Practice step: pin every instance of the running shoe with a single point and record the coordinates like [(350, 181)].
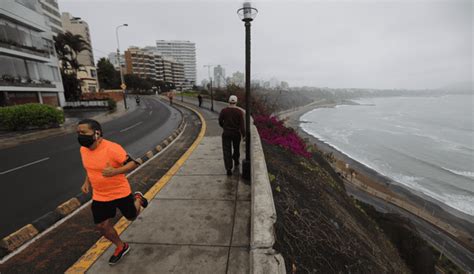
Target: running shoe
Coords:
[(119, 253)]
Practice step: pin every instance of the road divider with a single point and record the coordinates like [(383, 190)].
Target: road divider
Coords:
[(20, 239)]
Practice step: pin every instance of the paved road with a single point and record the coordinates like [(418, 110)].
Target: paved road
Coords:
[(36, 177), (430, 233)]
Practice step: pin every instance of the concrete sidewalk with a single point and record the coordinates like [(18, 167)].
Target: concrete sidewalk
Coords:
[(198, 223)]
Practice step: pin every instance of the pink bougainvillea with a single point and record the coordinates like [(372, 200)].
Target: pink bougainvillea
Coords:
[(274, 132)]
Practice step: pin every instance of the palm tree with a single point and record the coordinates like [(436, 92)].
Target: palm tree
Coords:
[(68, 46)]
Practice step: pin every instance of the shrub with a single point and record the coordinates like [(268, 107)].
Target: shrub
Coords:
[(112, 105), (274, 132), (30, 116)]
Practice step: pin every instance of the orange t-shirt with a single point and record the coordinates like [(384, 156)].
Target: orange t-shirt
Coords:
[(106, 188)]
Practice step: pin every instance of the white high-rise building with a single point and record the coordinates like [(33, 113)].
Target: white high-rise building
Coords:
[(51, 11), (219, 77), (114, 60), (29, 68), (183, 52)]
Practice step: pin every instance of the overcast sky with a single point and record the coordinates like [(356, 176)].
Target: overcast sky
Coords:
[(360, 44)]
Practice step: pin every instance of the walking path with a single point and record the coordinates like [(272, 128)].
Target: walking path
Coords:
[(199, 222)]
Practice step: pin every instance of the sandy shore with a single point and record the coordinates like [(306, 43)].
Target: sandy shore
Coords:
[(376, 180)]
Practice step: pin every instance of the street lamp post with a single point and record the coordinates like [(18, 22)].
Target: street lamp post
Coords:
[(247, 14), (210, 85), (212, 95), (122, 82)]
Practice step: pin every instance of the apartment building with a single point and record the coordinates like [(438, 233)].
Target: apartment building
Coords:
[(85, 58), (140, 63), (183, 52), (147, 63), (53, 15), (29, 70)]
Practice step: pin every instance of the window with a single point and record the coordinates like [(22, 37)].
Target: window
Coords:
[(55, 74), (53, 3), (49, 46), (20, 67), (11, 32), (33, 70), (6, 66), (45, 72), (31, 4), (20, 35), (93, 73), (3, 34), (50, 10), (24, 36)]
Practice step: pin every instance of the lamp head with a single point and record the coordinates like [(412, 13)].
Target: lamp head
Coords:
[(247, 13)]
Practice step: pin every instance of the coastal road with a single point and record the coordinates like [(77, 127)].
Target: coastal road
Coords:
[(37, 177), (454, 251)]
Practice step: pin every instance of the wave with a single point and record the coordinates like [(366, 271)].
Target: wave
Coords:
[(463, 203), (467, 174)]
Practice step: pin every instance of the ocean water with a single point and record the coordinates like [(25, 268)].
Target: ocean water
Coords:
[(424, 143)]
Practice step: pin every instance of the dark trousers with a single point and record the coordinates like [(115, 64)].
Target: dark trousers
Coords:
[(200, 103), (230, 140)]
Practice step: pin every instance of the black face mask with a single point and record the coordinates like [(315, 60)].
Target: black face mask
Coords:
[(85, 140)]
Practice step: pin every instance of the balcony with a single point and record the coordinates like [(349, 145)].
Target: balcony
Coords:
[(25, 49), (10, 81)]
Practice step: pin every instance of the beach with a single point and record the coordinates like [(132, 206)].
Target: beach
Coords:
[(377, 181)]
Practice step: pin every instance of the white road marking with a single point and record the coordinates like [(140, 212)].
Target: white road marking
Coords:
[(150, 112), (130, 127), (16, 168)]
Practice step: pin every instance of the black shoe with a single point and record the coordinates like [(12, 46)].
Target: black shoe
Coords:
[(237, 163), (139, 195), (229, 172), (119, 253)]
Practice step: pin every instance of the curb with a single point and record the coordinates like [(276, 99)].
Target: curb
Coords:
[(25, 234), (91, 256), (263, 258)]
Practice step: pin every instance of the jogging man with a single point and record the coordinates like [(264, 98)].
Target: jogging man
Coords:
[(231, 119), (106, 164)]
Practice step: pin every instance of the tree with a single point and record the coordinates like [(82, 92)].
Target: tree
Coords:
[(68, 46), (136, 83), (109, 78)]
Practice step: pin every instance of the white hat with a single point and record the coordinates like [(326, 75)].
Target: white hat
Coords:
[(233, 99)]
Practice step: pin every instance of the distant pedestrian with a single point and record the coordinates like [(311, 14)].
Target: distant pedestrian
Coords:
[(170, 97), (231, 119), (106, 164), (200, 99)]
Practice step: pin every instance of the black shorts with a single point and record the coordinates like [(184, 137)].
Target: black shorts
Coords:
[(106, 210)]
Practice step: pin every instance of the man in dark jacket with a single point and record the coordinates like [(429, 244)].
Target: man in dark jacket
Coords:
[(200, 99), (231, 119)]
